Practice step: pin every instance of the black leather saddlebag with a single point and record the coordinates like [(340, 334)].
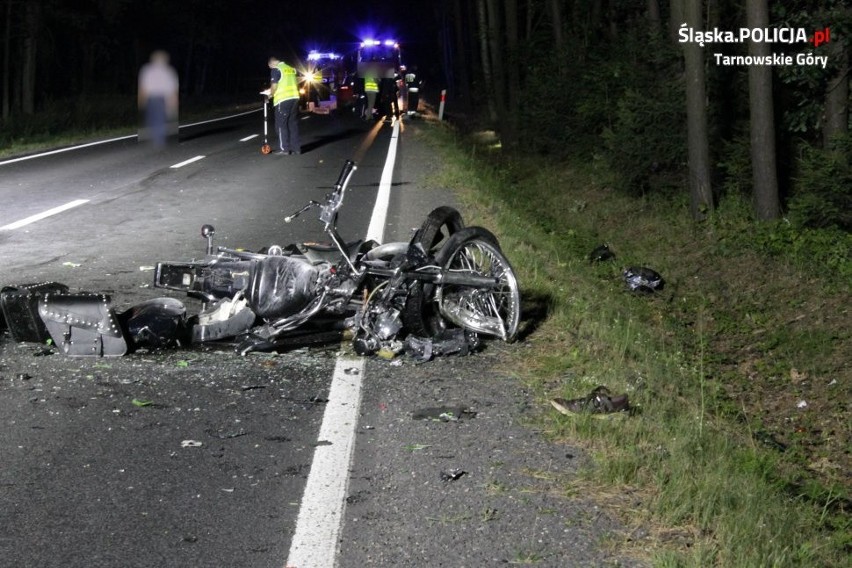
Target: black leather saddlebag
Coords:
[(20, 309), (83, 325)]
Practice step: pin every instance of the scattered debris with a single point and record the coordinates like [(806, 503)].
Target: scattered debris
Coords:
[(448, 342), (802, 404), (452, 474), (416, 447), (190, 444), (643, 280), (601, 253), (599, 403), (769, 440), (141, 403), (443, 413)]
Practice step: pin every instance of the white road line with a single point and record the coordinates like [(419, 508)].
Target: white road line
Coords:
[(315, 542), (40, 216), (189, 161), (320, 517), (59, 151), (247, 138), (376, 230)]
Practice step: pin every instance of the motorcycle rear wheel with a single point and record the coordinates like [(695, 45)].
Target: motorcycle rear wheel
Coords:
[(420, 316), (439, 225)]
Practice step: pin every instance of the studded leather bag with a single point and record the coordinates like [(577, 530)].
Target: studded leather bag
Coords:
[(83, 325), (19, 310)]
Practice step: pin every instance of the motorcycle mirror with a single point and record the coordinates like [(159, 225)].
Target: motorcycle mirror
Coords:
[(207, 232)]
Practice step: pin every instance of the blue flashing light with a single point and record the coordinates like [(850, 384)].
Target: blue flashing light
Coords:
[(315, 55)]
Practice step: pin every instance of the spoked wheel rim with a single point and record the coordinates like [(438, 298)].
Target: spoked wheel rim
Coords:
[(494, 311)]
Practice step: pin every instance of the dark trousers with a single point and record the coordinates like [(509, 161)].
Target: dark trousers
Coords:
[(287, 124)]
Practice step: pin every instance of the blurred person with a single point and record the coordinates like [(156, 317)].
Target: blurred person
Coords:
[(158, 98), (388, 98), (284, 90)]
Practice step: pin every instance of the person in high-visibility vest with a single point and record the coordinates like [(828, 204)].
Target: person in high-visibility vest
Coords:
[(371, 89), (284, 90)]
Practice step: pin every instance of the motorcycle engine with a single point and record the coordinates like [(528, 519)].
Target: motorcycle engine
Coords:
[(387, 324)]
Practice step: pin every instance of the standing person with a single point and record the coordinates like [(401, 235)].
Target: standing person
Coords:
[(158, 97), (412, 86), (284, 90), (371, 89), (388, 98)]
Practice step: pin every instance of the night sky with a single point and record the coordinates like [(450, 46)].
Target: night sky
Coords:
[(217, 46)]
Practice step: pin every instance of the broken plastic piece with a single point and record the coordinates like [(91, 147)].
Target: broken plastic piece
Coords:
[(448, 342), (642, 279), (452, 474), (443, 413)]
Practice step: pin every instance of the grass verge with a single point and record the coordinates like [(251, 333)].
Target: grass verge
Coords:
[(738, 452)]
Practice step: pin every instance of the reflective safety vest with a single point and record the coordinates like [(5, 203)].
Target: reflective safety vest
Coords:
[(370, 85), (288, 87), (412, 82)]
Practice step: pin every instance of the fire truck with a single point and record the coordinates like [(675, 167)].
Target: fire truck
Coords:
[(380, 58)]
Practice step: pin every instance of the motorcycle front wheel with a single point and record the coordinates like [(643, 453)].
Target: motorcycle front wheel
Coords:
[(495, 311)]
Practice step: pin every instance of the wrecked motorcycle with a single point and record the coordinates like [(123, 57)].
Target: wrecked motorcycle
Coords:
[(448, 283), (438, 292)]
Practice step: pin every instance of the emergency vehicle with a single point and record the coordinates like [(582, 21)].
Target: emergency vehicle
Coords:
[(323, 76), (379, 58)]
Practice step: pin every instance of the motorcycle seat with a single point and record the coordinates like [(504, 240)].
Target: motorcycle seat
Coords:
[(318, 253)]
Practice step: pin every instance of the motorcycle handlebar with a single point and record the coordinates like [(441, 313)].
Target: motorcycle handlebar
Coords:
[(333, 200), (348, 167)]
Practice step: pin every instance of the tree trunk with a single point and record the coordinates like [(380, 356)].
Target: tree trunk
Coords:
[(676, 19), (7, 70), (767, 204), (498, 60), (700, 190), (653, 7), (462, 65), (837, 95), (554, 7), (513, 74), (28, 69), (485, 57)]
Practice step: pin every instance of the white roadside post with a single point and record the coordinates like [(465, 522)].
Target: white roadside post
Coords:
[(441, 106)]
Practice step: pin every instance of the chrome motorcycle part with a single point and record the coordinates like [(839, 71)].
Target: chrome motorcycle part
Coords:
[(493, 311)]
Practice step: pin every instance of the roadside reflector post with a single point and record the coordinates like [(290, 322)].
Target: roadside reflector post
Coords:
[(441, 106)]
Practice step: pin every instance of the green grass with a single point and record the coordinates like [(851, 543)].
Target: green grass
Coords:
[(715, 364)]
